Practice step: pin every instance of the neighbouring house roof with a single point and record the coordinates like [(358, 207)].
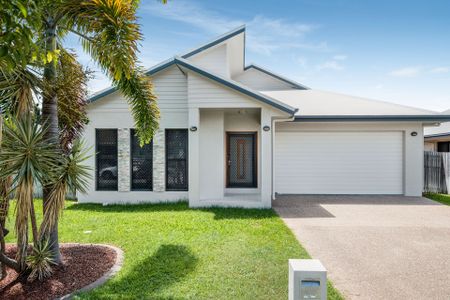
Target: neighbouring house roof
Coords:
[(442, 131), (316, 105)]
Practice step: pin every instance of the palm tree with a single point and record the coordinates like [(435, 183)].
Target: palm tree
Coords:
[(109, 33)]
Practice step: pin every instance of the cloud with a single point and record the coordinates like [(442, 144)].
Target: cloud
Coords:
[(340, 57), (264, 35), (406, 72), (330, 65), (438, 70)]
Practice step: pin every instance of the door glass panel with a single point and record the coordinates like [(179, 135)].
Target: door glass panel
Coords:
[(241, 162)]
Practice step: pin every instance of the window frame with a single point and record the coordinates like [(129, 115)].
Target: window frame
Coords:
[(132, 131), (116, 188), (167, 188)]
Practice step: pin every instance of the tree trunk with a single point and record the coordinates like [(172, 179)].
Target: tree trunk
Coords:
[(50, 118)]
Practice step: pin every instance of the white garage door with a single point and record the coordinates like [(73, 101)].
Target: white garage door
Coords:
[(339, 163)]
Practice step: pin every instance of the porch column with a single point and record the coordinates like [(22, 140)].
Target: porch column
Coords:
[(266, 159), (194, 157)]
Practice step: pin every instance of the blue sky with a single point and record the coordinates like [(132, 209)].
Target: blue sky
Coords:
[(397, 51)]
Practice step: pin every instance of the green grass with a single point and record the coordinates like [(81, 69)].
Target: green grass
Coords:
[(173, 252), (442, 198)]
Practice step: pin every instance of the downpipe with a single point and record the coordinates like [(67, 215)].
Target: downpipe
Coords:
[(274, 121)]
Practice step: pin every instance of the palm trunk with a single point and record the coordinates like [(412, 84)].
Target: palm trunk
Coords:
[(50, 118)]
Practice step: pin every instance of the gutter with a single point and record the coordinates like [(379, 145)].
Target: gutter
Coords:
[(372, 118), (274, 121)]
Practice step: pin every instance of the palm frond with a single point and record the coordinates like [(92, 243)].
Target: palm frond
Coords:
[(74, 175), (26, 154), (17, 89), (138, 90), (110, 34), (71, 90), (40, 262)]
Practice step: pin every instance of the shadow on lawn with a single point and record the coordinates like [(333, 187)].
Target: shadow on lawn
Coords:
[(149, 277), (219, 213)]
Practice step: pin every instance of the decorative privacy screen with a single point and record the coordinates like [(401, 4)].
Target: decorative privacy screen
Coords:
[(141, 164), (241, 160), (106, 156), (176, 159)]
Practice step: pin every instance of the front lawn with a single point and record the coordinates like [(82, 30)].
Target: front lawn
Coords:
[(442, 198), (173, 252)]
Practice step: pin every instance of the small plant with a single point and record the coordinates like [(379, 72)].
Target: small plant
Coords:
[(40, 262)]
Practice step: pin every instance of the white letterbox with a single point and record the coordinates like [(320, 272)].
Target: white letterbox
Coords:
[(307, 279)]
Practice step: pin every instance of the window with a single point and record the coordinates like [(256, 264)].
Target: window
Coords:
[(106, 158), (444, 147), (176, 160), (141, 165)]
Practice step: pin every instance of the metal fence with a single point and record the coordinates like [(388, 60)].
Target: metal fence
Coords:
[(437, 172)]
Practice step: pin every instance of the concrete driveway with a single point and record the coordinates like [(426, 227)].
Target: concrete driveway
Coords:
[(375, 247)]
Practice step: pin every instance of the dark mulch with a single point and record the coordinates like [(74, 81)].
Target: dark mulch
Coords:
[(83, 264)]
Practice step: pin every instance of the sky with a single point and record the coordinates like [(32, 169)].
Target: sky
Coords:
[(397, 51)]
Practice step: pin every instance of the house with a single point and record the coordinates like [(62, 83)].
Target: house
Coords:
[(438, 138), (233, 134)]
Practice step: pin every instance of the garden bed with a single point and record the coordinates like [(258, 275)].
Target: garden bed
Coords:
[(82, 266)]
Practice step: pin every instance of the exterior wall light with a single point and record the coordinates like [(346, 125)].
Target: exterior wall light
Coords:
[(193, 128), (266, 128), (414, 133)]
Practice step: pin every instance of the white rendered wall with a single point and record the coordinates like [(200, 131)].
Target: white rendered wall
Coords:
[(212, 155)]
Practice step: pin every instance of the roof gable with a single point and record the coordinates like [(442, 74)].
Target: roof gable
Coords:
[(217, 78), (215, 42)]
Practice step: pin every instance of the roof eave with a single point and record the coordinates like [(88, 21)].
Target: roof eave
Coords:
[(437, 135), (373, 118)]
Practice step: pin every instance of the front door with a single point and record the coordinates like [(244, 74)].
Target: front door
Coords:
[(241, 160)]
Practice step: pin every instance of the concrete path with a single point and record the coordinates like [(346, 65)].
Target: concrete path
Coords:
[(375, 247)]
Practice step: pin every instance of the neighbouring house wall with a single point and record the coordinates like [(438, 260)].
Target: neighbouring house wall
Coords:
[(430, 146), (413, 145), (260, 81), (112, 111)]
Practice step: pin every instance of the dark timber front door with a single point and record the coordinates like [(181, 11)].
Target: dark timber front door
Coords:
[(241, 160)]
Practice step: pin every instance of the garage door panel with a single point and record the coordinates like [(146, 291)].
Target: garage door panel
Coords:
[(339, 163)]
